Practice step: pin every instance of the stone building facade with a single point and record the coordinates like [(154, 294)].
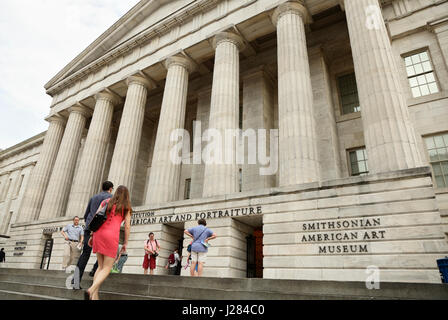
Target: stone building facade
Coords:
[(355, 92)]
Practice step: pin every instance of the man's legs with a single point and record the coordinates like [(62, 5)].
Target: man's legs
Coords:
[(66, 256), (82, 261), (95, 266), (73, 252)]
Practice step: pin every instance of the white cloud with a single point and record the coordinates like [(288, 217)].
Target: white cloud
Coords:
[(37, 39)]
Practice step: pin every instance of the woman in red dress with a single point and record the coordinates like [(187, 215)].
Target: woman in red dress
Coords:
[(105, 241)]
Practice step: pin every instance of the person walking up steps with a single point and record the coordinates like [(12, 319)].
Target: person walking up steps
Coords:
[(92, 208), (105, 241)]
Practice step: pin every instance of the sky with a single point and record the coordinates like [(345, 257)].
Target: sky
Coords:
[(38, 38)]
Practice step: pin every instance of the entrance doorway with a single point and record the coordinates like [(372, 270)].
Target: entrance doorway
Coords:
[(46, 256), (174, 239), (255, 254), (254, 245)]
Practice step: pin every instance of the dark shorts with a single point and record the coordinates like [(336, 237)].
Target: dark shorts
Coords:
[(149, 262)]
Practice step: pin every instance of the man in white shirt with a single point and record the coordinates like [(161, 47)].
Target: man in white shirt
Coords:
[(173, 262)]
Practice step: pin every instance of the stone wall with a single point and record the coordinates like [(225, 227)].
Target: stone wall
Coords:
[(332, 230)]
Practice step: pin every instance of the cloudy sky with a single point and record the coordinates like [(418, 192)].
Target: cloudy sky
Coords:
[(37, 39)]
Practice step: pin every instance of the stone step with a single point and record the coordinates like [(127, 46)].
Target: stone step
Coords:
[(134, 286), (11, 295), (47, 292)]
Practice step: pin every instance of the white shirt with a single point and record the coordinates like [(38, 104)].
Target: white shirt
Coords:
[(176, 260)]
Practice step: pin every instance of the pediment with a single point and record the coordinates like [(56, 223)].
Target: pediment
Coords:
[(141, 17)]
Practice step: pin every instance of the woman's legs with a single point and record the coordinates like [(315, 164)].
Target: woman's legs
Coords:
[(193, 268), (194, 261), (200, 269), (100, 261), (104, 267)]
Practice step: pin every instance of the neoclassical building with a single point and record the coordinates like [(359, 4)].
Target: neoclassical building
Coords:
[(353, 92)]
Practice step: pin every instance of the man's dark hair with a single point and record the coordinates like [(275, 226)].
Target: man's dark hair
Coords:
[(107, 185), (3, 249), (151, 233), (75, 217), (203, 222)]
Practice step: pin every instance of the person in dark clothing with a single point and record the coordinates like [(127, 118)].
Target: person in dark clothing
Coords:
[(91, 209), (2, 255)]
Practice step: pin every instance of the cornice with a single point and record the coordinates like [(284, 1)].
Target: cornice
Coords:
[(26, 165), (161, 28), (22, 146)]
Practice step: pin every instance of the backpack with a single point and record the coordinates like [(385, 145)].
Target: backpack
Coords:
[(171, 259)]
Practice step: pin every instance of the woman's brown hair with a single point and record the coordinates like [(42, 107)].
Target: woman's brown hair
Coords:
[(122, 200)]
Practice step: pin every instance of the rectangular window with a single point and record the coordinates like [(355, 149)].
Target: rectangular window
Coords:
[(358, 162), (192, 135), (187, 189), (421, 75), (437, 146), (240, 179), (348, 92)]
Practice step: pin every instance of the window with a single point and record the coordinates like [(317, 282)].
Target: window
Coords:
[(420, 74), (358, 162), (348, 91), (187, 189), (438, 157), (192, 132), (240, 179)]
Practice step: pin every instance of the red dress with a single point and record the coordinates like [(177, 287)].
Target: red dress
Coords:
[(107, 238)]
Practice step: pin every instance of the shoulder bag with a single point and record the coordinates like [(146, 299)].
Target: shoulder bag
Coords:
[(99, 218)]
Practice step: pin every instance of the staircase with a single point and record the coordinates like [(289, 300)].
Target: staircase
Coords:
[(20, 284)]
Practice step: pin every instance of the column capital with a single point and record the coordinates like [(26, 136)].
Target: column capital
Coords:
[(228, 37), (292, 7), (81, 109), (180, 61), (140, 80), (56, 118), (108, 96)]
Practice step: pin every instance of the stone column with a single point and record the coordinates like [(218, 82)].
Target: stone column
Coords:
[(165, 172), (124, 160), (87, 179), (40, 175), (221, 178), (58, 190), (202, 117), (258, 113), (298, 160), (389, 134), (327, 134)]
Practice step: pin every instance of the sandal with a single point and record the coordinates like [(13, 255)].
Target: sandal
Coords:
[(87, 295)]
